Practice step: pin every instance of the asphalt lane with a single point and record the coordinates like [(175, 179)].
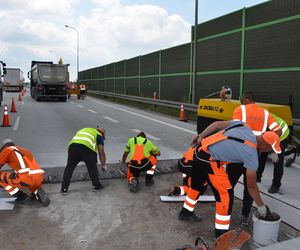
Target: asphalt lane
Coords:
[(46, 127)]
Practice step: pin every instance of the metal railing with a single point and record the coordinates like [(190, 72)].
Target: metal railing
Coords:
[(164, 103)]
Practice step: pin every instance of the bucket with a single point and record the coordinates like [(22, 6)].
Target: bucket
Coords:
[(265, 232)]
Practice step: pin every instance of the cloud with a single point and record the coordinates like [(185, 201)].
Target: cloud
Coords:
[(109, 31)]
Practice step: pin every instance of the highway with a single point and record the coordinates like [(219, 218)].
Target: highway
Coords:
[(46, 127)]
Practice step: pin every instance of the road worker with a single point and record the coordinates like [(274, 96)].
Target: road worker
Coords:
[(235, 143), (82, 90), (277, 159), (142, 157), (27, 173), (225, 93), (84, 147), (259, 120), (185, 167)]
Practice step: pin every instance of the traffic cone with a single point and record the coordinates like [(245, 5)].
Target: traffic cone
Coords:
[(181, 115), (5, 118), (13, 106), (20, 98)]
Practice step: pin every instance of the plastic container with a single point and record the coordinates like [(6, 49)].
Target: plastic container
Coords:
[(265, 232)]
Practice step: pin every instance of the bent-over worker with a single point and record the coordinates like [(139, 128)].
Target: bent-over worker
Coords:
[(84, 147), (235, 143)]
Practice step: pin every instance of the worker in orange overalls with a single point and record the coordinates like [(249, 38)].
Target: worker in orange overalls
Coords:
[(185, 167), (142, 154), (235, 143), (259, 120), (27, 173)]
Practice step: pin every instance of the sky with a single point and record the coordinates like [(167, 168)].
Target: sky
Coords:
[(109, 30)]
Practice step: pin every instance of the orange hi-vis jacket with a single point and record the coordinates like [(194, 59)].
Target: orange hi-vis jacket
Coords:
[(188, 156), (217, 137), (20, 160), (258, 118)]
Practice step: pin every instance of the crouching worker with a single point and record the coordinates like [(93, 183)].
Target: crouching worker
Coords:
[(235, 143), (142, 157), (27, 173), (185, 167)]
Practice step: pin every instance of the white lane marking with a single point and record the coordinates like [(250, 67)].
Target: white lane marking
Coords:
[(16, 126), (148, 135), (151, 119), (111, 119), (80, 106), (71, 102), (92, 111)]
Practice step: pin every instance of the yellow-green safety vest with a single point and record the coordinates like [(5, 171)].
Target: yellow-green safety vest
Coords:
[(87, 137), (284, 127)]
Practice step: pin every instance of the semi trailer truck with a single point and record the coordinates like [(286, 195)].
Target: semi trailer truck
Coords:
[(48, 80), (13, 80)]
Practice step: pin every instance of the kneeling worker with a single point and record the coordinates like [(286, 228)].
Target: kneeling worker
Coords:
[(142, 154), (84, 147), (185, 167), (27, 173)]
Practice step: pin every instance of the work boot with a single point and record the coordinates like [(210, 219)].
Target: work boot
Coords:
[(64, 191), (244, 220), (21, 199), (273, 189), (149, 182), (185, 216), (98, 188), (42, 197), (133, 185)]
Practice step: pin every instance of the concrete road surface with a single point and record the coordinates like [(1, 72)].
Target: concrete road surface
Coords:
[(111, 219)]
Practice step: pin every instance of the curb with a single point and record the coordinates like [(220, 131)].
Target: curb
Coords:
[(116, 170)]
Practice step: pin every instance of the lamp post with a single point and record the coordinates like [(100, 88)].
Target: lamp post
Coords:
[(67, 26), (195, 54), (51, 51)]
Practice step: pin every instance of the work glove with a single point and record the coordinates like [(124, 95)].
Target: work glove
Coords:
[(264, 213), (274, 157), (261, 212)]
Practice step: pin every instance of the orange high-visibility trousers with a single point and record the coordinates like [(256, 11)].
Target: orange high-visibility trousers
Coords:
[(148, 165), (204, 169), (12, 182)]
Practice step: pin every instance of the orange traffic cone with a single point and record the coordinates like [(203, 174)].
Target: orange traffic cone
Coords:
[(13, 106), (181, 115), (20, 98), (5, 118)]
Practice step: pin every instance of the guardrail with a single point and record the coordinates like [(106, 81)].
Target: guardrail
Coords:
[(169, 104)]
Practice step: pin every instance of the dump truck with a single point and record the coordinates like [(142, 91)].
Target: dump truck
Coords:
[(2, 73), (13, 80), (48, 80)]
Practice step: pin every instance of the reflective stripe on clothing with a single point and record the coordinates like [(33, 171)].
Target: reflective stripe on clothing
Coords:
[(258, 118), (20, 158), (284, 127), (152, 170), (87, 137), (222, 221)]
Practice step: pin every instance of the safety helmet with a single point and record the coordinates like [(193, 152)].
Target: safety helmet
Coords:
[(4, 142)]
